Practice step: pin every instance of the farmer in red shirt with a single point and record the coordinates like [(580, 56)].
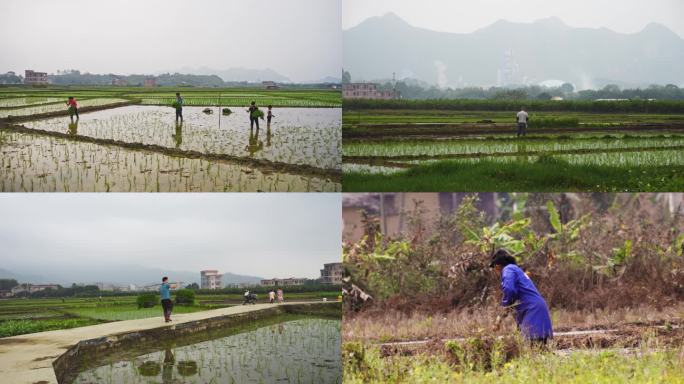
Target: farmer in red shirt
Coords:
[(73, 108)]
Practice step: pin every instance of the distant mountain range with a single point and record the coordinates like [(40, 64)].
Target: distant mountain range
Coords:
[(237, 74), (513, 53), (125, 274)]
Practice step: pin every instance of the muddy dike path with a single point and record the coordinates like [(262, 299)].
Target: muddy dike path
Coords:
[(48, 357)]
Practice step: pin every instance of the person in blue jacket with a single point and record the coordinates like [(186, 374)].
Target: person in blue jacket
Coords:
[(520, 294)]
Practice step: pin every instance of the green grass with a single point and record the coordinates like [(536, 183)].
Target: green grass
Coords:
[(548, 174), (19, 327), (578, 367)]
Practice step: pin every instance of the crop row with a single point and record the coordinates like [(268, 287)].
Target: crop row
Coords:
[(634, 106), (242, 101)]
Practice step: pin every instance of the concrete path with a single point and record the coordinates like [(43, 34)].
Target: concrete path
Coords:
[(28, 358)]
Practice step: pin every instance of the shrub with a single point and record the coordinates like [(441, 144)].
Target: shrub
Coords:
[(185, 297), (147, 300)]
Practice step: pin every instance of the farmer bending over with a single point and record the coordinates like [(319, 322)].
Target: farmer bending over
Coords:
[(520, 294), (165, 293), (73, 108), (178, 104), (521, 118)]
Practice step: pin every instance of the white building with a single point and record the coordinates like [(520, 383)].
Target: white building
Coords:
[(211, 279)]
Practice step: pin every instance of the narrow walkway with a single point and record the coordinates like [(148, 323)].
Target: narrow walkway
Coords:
[(28, 358)]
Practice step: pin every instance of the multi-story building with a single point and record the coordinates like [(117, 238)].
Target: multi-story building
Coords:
[(283, 282), (211, 279), (150, 82), (331, 273), (367, 91), (33, 77)]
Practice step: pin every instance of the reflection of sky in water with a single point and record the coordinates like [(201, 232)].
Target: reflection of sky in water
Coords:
[(310, 136), (304, 351), (36, 163)]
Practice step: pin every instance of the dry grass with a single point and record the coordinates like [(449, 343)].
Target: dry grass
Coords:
[(392, 325)]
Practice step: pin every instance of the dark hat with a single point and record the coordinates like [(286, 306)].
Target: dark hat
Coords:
[(501, 257)]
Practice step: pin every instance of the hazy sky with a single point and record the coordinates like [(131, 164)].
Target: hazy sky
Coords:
[(268, 235), (300, 39), (464, 16)]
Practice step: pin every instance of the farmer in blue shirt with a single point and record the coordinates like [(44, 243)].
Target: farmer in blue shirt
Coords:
[(519, 293), (165, 293)]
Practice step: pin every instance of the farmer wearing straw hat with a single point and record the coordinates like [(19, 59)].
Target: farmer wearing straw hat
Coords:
[(521, 296)]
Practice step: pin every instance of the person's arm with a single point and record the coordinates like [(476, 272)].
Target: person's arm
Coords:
[(509, 287)]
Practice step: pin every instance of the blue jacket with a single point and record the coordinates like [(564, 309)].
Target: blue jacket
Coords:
[(531, 313)]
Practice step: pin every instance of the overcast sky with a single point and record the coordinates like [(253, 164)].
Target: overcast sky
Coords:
[(268, 235), (300, 39), (465, 16)]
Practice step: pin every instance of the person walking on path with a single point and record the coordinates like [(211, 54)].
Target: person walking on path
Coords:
[(165, 293), (73, 108), (520, 295), (521, 118), (271, 297), (178, 104), (280, 296)]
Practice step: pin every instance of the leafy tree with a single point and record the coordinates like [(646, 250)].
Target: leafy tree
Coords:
[(147, 300), (6, 284), (185, 297)]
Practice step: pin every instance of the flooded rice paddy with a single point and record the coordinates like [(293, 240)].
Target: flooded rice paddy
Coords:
[(300, 136), (39, 163), (303, 350)]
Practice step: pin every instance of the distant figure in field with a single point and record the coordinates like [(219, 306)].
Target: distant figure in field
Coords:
[(521, 118), (271, 297), (269, 115), (73, 108), (280, 296), (165, 293), (178, 104), (253, 111)]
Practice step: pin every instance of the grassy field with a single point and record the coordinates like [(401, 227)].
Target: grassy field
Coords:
[(419, 147), (20, 316), (576, 367)]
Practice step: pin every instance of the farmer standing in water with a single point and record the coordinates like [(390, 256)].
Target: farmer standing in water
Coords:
[(165, 293), (253, 111), (520, 294), (178, 104), (73, 108), (521, 118)]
